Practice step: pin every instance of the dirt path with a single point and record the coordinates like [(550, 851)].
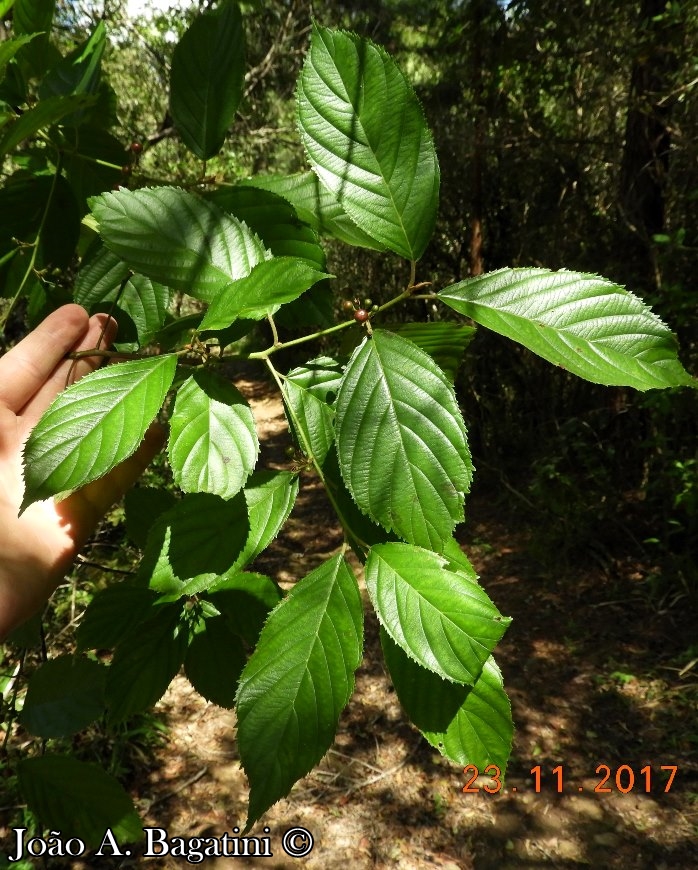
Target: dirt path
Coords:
[(580, 663)]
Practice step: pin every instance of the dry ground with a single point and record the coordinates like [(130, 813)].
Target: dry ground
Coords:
[(581, 664)]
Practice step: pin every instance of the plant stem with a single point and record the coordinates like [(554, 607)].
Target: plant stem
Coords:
[(316, 464), (274, 333), (117, 354), (34, 246), (264, 355), (105, 354), (406, 293)]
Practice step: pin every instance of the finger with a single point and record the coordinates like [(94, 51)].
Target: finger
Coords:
[(83, 509), (25, 368), (57, 379)]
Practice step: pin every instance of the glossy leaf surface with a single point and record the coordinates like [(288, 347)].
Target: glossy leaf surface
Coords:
[(273, 218), (445, 342), (93, 425), (177, 239), (366, 137), (268, 286), (138, 304), (297, 682), (309, 392), (467, 724), (213, 442), (204, 539), (585, 324), (317, 206), (440, 617), (401, 440)]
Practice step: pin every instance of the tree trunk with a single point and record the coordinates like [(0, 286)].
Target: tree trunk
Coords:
[(476, 259), (645, 161)]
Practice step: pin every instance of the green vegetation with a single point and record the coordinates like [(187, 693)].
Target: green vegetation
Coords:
[(438, 174)]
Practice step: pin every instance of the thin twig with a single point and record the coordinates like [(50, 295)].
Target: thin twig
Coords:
[(88, 564), (180, 787), (386, 773)]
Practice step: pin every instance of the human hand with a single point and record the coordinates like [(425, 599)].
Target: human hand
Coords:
[(37, 548)]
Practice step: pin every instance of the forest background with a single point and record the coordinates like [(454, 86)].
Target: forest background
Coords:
[(567, 134)]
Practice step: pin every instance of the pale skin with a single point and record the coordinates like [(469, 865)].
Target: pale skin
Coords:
[(38, 547)]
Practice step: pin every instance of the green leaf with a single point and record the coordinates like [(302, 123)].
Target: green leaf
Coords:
[(297, 682), (457, 560), (208, 73), (244, 601), (401, 440), (87, 152), (146, 661), (139, 305), (35, 17), (79, 799), (104, 112), (27, 635), (316, 206), (79, 72), (114, 613), (178, 331), (270, 496), (10, 47), (268, 286), (142, 506), (94, 425), (307, 390), (194, 543), (61, 228), (204, 540), (314, 308), (214, 661), (64, 696), (23, 203), (361, 532), (440, 617), (309, 393), (14, 90), (39, 117), (273, 219), (213, 444), (467, 724), (366, 137), (583, 323), (445, 342), (177, 239), (320, 377), (276, 223)]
